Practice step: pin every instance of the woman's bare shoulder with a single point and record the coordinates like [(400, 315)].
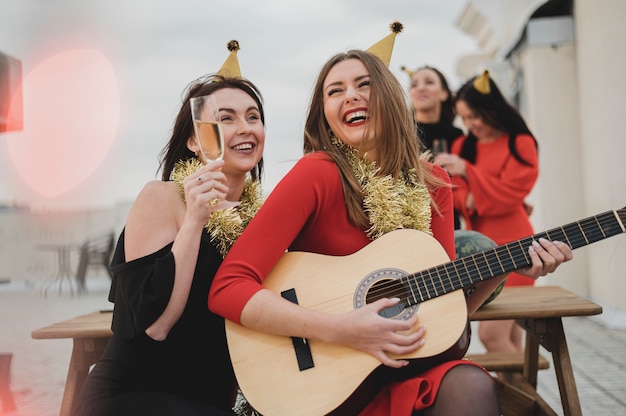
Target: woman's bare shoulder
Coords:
[(154, 218)]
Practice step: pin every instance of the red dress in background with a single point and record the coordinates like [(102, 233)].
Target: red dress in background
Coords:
[(499, 184)]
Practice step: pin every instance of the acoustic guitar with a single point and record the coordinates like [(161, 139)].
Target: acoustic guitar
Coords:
[(291, 376)]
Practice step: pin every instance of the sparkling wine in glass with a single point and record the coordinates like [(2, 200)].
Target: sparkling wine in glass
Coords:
[(208, 129), (439, 146)]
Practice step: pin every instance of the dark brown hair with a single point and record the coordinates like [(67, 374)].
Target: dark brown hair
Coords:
[(494, 110), (176, 148)]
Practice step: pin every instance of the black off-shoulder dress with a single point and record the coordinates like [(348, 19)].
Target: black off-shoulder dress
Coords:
[(189, 373)]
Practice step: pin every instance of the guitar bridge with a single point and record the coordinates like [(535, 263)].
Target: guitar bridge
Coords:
[(300, 345)]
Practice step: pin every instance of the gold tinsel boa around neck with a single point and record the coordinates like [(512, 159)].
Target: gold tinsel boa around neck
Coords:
[(390, 204), (225, 225)]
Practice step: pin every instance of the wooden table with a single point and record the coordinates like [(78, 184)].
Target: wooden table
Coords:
[(90, 333), (539, 310)]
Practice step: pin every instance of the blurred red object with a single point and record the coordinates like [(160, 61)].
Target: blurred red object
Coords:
[(11, 96)]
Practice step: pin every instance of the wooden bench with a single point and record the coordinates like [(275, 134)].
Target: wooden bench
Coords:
[(513, 399), (538, 309), (505, 361)]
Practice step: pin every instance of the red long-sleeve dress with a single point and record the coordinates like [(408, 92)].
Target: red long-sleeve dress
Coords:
[(306, 212), (499, 184)]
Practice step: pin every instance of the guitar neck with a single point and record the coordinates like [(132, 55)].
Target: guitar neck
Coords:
[(469, 270)]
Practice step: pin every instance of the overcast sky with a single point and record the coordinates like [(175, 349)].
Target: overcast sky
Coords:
[(128, 62)]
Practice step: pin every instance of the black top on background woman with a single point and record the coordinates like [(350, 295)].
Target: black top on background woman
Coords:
[(433, 106), (433, 109)]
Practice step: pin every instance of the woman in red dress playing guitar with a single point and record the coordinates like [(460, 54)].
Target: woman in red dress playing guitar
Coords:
[(361, 178)]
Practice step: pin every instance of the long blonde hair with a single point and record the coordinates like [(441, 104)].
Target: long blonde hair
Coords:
[(390, 116)]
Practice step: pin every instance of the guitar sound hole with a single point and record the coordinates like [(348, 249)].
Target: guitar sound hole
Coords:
[(381, 289)]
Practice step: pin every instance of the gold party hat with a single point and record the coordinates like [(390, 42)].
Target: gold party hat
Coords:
[(230, 68), (384, 47), (481, 83), (407, 70)]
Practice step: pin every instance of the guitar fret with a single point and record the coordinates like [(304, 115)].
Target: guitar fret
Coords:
[(477, 268), (410, 286), (419, 287), (508, 250), (575, 237), (422, 286), (525, 256), (620, 217), (440, 269), (499, 259), (557, 234), (465, 270), (599, 227), (427, 282), (415, 287), (456, 271), (488, 267), (566, 237), (438, 278), (445, 282), (597, 231), (504, 259), (582, 232), (451, 282), (448, 273)]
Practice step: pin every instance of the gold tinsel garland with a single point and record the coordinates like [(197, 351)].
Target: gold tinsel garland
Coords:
[(225, 225), (390, 204)]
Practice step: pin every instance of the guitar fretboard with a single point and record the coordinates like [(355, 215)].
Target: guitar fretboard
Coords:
[(469, 270)]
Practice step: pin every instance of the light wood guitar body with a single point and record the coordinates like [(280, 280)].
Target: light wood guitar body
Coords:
[(267, 368)]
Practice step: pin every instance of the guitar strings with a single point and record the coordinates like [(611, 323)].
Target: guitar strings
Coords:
[(468, 270)]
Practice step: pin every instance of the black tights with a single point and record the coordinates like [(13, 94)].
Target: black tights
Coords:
[(465, 390)]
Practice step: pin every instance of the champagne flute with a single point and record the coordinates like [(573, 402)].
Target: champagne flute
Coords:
[(205, 114), (439, 146)]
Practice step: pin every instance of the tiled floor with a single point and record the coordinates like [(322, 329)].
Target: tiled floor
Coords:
[(40, 366), (599, 360)]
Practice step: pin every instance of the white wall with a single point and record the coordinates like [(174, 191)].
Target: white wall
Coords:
[(552, 114), (573, 97), (601, 67)]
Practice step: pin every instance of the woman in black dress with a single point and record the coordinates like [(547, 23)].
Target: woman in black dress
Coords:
[(168, 353)]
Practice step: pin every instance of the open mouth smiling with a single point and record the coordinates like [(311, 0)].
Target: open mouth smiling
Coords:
[(358, 116), (243, 146)]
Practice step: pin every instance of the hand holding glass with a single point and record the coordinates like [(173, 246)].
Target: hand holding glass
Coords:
[(205, 115)]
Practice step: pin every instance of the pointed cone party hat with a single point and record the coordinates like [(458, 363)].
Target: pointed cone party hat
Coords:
[(230, 68), (407, 70), (384, 47), (481, 83)]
